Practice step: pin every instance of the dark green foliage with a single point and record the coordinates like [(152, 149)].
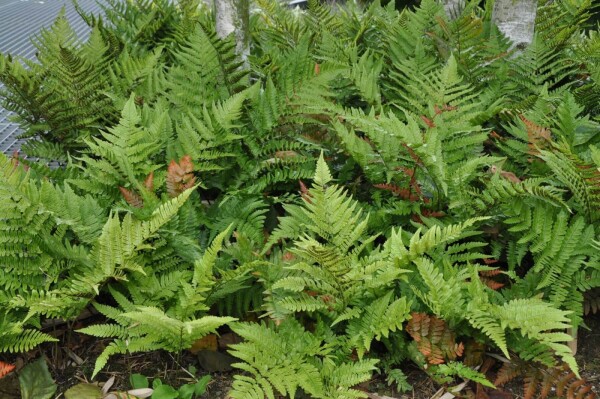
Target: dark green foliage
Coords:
[(367, 170)]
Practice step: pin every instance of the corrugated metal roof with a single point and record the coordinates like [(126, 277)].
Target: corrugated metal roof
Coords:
[(19, 21)]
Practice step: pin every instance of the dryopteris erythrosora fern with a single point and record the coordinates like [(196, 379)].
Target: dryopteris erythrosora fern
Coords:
[(430, 123)]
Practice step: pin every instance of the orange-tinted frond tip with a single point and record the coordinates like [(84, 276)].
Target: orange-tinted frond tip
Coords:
[(5, 368)]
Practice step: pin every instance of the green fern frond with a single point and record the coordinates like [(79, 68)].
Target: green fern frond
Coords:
[(377, 320), (537, 320), (296, 366), (578, 176), (122, 156), (23, 341), (455, 369), (105, 331)]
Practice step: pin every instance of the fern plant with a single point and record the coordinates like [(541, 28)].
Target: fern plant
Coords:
[(540, 381), (78, 247), (287, 358), (60, 99), (141, 327), (333, 281), (465, 204), (337, 276)]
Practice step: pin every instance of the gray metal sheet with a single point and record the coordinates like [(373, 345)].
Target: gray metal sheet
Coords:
[(19, 21)]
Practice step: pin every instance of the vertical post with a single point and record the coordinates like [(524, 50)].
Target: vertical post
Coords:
[(516, 19), (453, 8), (232, 17)]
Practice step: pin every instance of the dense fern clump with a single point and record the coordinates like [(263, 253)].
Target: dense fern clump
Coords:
[(375, 186)]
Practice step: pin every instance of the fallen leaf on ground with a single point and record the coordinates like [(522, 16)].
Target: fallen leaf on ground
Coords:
[(141, 393), (228, 339), (376, 396), (108, 384), (449, 393), (208, 343), (84, 391)]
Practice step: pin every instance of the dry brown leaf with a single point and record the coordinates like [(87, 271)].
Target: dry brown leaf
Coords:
[(208, 343), (108, 384), (227, 339), (449, 393), (286, 154), (79, 361), (377, 396), (141, 393), (507, 175)]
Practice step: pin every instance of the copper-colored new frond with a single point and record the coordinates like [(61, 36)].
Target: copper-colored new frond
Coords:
[(542, 383), (304, 192), (180, 176), (132, 198), (149, 182), (434, 338), (486, 277), (537, 135), (403, 193), (5, 368)]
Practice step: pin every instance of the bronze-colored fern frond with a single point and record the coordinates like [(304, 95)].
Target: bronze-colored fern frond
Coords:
[(180, 176), (5, 368), (434, 338), (541, 382)]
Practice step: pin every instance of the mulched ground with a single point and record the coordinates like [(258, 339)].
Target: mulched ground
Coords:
[(72, 359), (588, 352)]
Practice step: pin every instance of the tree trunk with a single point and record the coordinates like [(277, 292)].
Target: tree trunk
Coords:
[(232, 17), (516, 19), (453, 8)]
